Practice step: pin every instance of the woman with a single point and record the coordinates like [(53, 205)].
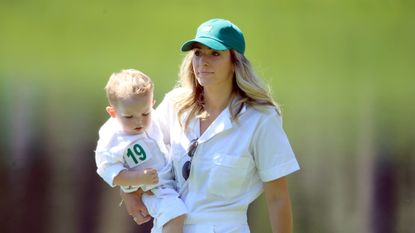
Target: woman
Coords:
[(226, 138)]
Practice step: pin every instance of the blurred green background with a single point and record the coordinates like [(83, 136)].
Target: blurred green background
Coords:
[(343, 72)]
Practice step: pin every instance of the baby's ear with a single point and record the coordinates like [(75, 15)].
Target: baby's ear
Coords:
[(111, 111), (154, 102)]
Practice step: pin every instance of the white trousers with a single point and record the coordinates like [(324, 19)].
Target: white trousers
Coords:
[(216, 228)]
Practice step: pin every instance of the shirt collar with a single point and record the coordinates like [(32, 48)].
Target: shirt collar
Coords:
[(222, 123)]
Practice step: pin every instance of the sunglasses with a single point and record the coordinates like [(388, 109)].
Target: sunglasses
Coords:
[(188, 164)]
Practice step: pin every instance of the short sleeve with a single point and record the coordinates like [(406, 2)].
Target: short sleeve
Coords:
[(273, 155), (108, 166)]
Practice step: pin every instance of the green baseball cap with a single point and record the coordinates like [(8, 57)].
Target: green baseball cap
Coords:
[(218, 34)]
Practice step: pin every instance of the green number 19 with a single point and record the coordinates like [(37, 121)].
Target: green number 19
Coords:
[(138, 151)]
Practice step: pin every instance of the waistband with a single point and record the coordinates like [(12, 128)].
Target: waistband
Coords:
[(209, 218)]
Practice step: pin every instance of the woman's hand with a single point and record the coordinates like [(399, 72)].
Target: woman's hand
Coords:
[(135, 206)]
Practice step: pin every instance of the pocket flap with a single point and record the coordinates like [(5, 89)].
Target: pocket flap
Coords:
[(231, 161)]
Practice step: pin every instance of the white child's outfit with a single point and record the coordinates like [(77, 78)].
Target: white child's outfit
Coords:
[(117, 151)]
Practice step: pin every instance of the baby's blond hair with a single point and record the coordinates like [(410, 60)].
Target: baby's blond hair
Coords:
[(127, 83)]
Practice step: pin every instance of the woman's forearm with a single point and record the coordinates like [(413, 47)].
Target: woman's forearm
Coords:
[(280, 216), (135, 207), (279, 206)]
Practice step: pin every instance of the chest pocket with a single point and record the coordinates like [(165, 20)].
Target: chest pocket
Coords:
[(228, 174), (137, 153)]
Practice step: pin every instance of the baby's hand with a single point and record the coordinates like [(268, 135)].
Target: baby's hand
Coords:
[(149, 176)]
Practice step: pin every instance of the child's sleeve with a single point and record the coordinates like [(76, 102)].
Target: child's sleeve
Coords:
[(108, 166)]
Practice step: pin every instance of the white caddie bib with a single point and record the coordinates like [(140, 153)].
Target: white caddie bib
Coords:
[(137, 153)]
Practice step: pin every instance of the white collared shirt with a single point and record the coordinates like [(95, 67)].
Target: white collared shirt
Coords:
[(231, 162)]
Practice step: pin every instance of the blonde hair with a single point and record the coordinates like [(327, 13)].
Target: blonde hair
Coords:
[(126, 83), (248, 89)]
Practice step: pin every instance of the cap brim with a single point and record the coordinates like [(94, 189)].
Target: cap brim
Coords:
[(211, 43)]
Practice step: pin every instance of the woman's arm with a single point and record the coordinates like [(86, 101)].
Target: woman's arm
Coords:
[(135, 206), (279, 205)]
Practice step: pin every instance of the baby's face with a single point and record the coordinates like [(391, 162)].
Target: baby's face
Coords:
[(134, 113)]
